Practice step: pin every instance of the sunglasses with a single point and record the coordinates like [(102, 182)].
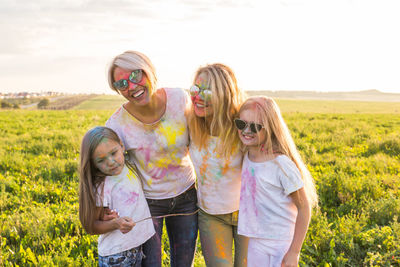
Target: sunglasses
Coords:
[(205, 94), (242, 125), (123, 84)]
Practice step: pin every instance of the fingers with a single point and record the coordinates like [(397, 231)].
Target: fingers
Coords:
[(109, 214), (126, 224), (107, 217)]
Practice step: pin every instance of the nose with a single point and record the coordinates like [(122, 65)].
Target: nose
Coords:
[(132, 85), (110, 161), (247, 129)]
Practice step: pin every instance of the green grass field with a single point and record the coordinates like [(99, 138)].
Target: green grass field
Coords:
[(112, 102), (354, 158), (102, 102)]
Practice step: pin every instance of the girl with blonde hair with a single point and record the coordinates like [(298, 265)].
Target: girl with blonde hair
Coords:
[(277, 191), (108, 180), (215, 153)]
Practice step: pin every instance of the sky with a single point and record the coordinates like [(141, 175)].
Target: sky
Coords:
[(307, 45)]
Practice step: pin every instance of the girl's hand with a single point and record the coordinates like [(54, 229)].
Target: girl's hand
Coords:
[(125, 224), (108, 214), (291, 259)]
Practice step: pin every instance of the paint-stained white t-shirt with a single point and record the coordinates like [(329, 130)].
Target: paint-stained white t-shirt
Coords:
[(124, 193), (160, 151), (266, 209), (218, 178)]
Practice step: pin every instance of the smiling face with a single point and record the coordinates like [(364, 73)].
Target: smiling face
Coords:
[(108, 157), (247, 137), (202, 108), (136, 93)]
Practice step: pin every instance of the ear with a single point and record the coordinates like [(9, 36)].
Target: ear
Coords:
[(122, 145)]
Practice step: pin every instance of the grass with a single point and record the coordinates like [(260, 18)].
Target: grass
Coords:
[(102, 102), (112, 102), (354, 158)]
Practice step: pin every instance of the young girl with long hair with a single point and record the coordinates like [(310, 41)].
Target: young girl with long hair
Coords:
[(108, 180), (215, 153), (277, 190)]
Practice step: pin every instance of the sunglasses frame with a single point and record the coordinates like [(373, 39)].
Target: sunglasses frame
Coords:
[(254, 127), (196, 90), (123, 84)]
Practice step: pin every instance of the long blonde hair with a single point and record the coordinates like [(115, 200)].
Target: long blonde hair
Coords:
[(90, 178), (278, 138), (226, 99)]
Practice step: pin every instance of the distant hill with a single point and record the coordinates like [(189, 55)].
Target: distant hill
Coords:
[(367, 95)]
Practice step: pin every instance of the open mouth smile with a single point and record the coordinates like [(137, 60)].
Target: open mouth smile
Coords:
[(138, 93)]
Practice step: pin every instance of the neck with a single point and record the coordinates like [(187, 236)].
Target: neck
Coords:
[(258, 155), (150, 112)]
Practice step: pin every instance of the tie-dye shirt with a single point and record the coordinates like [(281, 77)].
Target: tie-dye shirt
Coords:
[(124, 193), (218, 178), (161, 150), (266, 209)]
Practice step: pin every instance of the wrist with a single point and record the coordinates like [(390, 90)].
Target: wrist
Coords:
[(115, 224)]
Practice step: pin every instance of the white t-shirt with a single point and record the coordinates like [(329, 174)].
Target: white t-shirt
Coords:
[(161, 151), (266, 209), (218, 178), (124, 193)]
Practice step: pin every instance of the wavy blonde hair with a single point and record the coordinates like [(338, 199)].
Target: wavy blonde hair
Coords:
[(278, 138), (133, 60), (226, 99)]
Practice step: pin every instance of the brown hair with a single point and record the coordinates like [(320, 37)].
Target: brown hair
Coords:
[(90, 178)]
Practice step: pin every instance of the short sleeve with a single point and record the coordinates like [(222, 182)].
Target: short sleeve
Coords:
[(102, 200), (289, 175)]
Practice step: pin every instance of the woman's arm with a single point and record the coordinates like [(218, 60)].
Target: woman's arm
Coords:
[(302, 221), (124, 224)]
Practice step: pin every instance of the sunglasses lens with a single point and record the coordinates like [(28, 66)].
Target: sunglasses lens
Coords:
[(121, 85), (255, 128), (194, 90), (240, 124), (136, 76)]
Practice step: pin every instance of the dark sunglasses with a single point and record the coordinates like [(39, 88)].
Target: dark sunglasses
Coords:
[(242, 125), (123, 84)]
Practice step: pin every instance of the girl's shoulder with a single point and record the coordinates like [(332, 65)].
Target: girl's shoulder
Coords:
[(288, 174), (287, 166)]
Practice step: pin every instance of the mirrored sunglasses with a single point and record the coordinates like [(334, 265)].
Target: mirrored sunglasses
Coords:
[(242, 125), (135, 77), (205, 94)]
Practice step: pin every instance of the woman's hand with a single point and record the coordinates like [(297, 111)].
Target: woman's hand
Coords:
[(125, 224), (291, 259)]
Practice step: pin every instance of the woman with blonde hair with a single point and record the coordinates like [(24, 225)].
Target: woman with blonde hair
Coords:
[(215, 153), (152, 126), (277, 191)]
